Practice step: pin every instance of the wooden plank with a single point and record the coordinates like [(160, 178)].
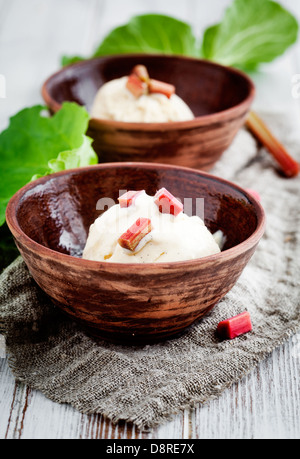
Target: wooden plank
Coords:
[(265, 404), (8, 397), (4, 7)]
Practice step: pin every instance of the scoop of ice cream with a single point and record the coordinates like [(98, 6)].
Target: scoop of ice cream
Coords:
[(115, 102), (173, 238)]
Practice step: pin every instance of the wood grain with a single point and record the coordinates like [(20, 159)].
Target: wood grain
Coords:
[(265, 404)]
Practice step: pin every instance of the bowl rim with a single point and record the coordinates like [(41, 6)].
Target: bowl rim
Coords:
[(20, 235), (202, 120)]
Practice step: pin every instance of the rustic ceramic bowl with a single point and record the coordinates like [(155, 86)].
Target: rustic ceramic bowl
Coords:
[(130, 303), (219, 97)]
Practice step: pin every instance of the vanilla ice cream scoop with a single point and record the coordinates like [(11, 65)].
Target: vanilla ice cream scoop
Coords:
[(114, 101), (143, 229)]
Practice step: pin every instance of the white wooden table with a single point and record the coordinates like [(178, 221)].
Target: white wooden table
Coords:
[(33, 36)]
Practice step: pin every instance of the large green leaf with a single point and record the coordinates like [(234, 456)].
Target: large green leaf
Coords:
[(252, 32), (33, 142)]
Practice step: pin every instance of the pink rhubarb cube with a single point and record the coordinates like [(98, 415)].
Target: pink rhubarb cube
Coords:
[(128, 198), (167, 203), (236, 326), (133, 236)]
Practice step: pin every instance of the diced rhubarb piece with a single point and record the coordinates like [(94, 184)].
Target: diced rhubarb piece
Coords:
[(141, 72), (133, 236), (160, 87), (167, 203), (128, 198), (137, 87), (236, 326), (289, 165), (254, 193)]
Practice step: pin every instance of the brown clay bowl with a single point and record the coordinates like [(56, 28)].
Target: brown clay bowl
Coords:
[(220, 98), (130, 303)]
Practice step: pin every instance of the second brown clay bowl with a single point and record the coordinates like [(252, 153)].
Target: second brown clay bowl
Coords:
[(130, 303), (220, 98)]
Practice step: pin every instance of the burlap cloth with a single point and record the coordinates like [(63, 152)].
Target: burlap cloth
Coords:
[(148, 385)]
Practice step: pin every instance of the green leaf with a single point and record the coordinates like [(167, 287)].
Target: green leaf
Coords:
[(150, 34), (31, 145), (252, 32), (66, 60), (208, 40), (72, 159)]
